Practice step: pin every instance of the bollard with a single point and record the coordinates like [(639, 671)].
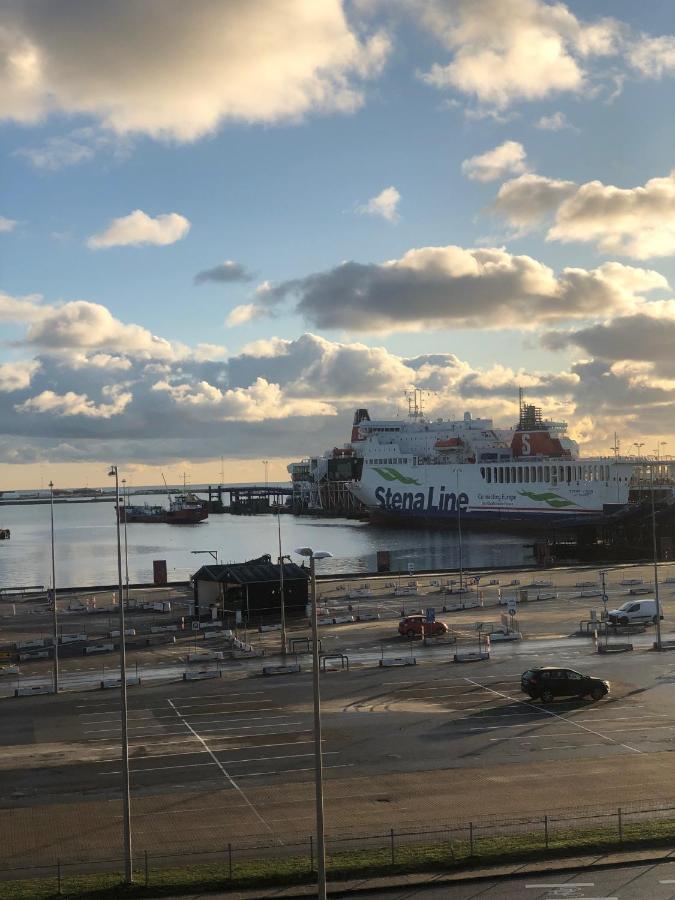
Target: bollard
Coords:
[(546, 832), (147, 870), (393, 850), (311, 853), (470, 838), (58, 877), (229, 859), (620, 826)]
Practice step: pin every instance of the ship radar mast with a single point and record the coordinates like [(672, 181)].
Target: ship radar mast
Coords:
[(415, 399)]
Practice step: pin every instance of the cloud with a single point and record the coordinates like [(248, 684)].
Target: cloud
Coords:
[(244, 313), (508, 158), (653, 57), (7, 225), (260, 401), (557, 121), (384, 205), (638, 222), (81, 325), (20, 309), (72, 404), (139, 228), (225, 272), (506, 51), (15, 376), (525, 201), (57, 153), (461, 288), (176, 70)]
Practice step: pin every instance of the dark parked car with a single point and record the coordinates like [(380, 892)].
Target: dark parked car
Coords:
[(549, 682)]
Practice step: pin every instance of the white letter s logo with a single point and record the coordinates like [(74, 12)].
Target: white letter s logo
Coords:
[(526, 445)]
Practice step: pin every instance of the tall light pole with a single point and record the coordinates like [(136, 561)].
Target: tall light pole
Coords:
[(55, 613), (603, 574), (125, 495), (126, 798), (656, 563), (266, 463), (282, 599), (318, 754)]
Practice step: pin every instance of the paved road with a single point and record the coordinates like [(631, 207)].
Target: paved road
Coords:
[(656, 881)]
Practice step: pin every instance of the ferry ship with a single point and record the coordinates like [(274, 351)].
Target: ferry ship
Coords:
[(467, 471), (184, 509)]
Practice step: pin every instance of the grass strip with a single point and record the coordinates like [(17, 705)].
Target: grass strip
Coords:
[(409, 858)]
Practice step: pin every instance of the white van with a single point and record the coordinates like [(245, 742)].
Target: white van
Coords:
[(634, 612)]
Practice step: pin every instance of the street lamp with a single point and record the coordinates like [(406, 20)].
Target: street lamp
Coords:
[(125, 495), (656, 563), (282, 603), (213, 553), (266, 463), (603, 574), (126, 800), (318, 755), (55, 614)]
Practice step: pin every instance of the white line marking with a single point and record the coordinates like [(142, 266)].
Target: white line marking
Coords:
[(564, 884), (554, 715), (226, 773)]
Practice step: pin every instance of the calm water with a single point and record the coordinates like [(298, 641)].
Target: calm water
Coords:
[(86, 548)]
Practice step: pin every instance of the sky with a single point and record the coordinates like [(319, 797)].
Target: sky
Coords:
[(226, 224)]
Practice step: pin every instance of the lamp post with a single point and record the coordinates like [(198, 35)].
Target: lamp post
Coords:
[(55, 613), (213, 553), (282, 599), (318, 755), (126, 799), (656, 563), (603, 573), (125, 495)]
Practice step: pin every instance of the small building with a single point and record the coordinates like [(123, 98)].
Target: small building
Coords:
[(250, 591)]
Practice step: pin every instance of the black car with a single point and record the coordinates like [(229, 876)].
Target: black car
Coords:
[(549, 682)]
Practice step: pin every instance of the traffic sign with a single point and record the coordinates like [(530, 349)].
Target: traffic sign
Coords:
[(512, 610), (431, 615), (411, 568)]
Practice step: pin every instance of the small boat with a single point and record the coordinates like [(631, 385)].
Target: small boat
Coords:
[(4, 534)]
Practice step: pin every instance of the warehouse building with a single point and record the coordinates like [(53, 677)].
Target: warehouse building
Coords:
[(249, 592)]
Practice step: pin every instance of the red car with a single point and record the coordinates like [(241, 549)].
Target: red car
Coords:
[(412, 626)]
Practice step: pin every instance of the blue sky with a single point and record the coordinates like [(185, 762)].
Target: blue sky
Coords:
[(269, 160)]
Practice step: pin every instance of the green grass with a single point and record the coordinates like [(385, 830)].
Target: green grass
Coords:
[(438, 856)]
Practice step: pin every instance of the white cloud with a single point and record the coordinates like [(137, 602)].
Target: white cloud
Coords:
[(20, 309), (140, 228), (16, 376), (260, 401), (244, 313), (177, 70), (57, 153), (7, 225), (384, 205), (653, 57), (462, 288), (557, 121), (225, 272), (508, 158), (510, 50), (525, 201), (638, 222), (72, 404)]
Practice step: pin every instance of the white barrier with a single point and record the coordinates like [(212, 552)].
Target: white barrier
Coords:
[(342, 620), (27, 691), (590, 593), (107, 683), (399, 661), (225, 633), (26, 645), (406, 591), (641, 590), (99, 648), (289, 669), (156, 629), (36, 654), (128, 632), (359, 594), (199, 676), (270, 627), (205, 656), (471, 656), (628, 582), (669, 580), (368, 617), (505, 636), (432, 640)]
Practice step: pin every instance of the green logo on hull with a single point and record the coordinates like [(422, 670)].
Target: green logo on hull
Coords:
[(552, 499), (390, 474)]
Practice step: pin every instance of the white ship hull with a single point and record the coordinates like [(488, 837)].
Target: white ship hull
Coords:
[(451, 493)]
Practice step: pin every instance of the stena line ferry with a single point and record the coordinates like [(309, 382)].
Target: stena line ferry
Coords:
[(467, 471)]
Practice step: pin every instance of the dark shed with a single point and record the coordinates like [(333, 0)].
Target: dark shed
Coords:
[(250, 588)]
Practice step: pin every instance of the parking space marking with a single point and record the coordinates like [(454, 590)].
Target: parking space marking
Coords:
[(555, 715), (222, 768)]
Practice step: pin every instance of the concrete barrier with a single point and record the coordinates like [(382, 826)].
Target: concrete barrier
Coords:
[(202, 674), (398, 661), (108, 683), (505, 636), (647, 589), (614, 648), (28, 691), (269, 627), (433, 640), (35, 654), (27, 645), (325, 620), (342, 620), (72, 638), (471, 656), (205, 656), (128, 632), (665, 645), (628, 582), (157, 629), (290, 669), (225, 633), (99, 648), (367, 617)]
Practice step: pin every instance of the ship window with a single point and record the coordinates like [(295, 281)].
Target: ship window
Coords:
[(501, 474), (482, 472), (520, 475), (514, 477), (488, 472), (547, 473), (526, 473), (507, 475), (494, 472), (540, 473), (569, 473)]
